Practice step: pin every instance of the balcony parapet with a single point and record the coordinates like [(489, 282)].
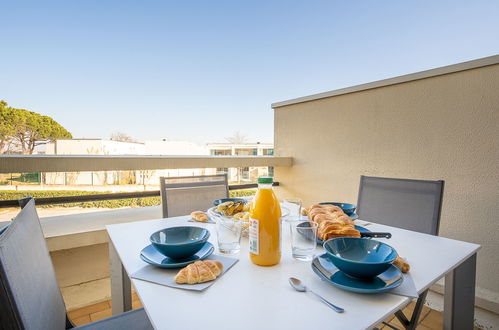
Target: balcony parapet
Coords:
[(80, 163)]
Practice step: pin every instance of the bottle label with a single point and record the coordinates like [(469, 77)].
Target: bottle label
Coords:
[(253, 236)]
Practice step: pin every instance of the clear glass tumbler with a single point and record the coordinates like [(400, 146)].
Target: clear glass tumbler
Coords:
[(303, 238), (228, 234), (294, 204)]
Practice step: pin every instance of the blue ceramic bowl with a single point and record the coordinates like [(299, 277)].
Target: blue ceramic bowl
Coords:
[(348, 208), (216, 202), (179, 242), (360, 257)]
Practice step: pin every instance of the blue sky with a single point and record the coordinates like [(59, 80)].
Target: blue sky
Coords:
[(200, 70)]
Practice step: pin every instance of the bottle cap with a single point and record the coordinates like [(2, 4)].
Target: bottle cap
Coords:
[(265, 179)]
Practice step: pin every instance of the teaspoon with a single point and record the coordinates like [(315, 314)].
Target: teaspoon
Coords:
[(298, 286)]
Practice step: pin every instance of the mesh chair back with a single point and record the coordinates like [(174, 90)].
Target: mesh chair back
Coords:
[(29, 294), (403, 203), (182, 195)]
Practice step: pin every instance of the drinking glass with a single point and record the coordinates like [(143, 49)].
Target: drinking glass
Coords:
[(228, 234), (303, 238), (294, 204)]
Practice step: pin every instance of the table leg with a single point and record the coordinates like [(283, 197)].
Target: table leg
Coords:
[(121, 288), (459, 299)]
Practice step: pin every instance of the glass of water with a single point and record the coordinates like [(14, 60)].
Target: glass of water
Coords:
[(228, 234), (303, 238)]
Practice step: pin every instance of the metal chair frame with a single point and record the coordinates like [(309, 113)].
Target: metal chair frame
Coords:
[(164, 186), (411, 323), (10, 317)]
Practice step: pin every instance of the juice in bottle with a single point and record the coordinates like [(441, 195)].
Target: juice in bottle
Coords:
[(265, 225)]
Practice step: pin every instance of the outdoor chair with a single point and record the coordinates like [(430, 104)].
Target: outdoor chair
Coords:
[(30, 297), (404, 203), (182, 195), (409, 204)]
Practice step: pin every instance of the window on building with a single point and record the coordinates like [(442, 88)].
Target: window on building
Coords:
[(245, 173), (271, 171), (268, 152), (222, 170), (220, 152), (244, 152)]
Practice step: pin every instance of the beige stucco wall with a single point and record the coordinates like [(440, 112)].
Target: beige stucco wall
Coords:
[(444, 127), (82, 264)]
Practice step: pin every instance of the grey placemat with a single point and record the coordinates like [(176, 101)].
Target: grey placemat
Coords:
[(407, 288), (164, 276)]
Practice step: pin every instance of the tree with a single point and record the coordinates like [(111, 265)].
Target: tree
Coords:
[(22, 130), (123, 137), (6, 127), (237, 138)]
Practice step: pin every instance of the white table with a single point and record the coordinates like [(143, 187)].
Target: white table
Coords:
[(253, 297)]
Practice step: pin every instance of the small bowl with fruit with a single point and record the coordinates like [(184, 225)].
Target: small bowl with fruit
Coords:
[(235, 208)]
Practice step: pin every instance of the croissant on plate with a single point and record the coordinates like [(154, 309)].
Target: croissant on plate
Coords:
[(199, 216), (341, 218), (332, 222), (331, 229), (199, 272)]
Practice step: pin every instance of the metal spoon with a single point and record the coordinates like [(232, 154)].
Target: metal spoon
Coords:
[(298, 286)]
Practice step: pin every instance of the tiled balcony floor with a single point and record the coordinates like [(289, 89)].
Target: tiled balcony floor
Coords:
[(430, 319), (95, 312)]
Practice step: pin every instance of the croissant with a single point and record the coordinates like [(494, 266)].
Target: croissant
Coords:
[(199, 216), (331, 229), (402, 265), (316, 211), (332, 221), (342, 218), (199, 272), (332, 208), (328, 209)]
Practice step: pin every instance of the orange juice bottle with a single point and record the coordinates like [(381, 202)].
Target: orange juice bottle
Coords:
[(265, 225)]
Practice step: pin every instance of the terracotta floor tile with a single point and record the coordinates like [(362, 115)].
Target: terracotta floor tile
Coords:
[(87, 310), (396, 323), (388, 319), (136, 304), (81, 320), (424, 327), (409, 308), (101, 315), (426, 310), (434, 320)]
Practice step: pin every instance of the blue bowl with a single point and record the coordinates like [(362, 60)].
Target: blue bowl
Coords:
[(216, 202), (348, 208), (360, 257), (180, 242)]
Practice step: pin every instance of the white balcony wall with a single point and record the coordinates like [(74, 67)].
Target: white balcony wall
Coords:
[(442, 124)]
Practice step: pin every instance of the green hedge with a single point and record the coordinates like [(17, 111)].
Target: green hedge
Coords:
[(128, 202)]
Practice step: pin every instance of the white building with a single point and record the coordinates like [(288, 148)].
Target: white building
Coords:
[(243, 174), (110, 147), (162, 147)]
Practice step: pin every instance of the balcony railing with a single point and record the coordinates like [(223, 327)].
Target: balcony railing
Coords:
[(105, 197), (78, 163)]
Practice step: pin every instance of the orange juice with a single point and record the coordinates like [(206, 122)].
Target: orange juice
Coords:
[(265, 225)]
